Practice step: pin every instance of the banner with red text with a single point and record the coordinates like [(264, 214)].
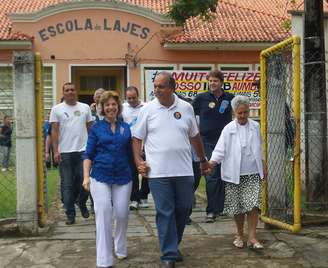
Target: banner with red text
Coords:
[(191, 83)]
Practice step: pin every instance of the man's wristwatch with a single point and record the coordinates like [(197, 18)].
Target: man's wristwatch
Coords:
[(203, 160)]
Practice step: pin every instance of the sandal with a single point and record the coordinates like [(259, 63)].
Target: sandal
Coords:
[(255, 245), (238, 242)]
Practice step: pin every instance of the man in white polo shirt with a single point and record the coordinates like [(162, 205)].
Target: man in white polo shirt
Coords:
[(130, 112), (70, 121), (167, 126)]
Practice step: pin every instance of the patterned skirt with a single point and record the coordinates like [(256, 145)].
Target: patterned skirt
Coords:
[(243, 197)]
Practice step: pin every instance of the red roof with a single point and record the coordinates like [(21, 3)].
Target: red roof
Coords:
[(235, 20), (236, 23)]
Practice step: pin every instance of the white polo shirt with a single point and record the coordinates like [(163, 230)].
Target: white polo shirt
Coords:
[(130, 114), (166, 133), (72, 119)]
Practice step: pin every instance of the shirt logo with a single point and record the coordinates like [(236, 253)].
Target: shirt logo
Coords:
[(133, 122), (211, 105), (77, 113), (177, 115), (223, 106)]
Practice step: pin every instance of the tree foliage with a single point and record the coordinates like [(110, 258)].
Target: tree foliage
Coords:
[(181, 10)]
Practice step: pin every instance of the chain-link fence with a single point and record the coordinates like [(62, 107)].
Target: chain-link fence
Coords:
[(295, 140), (280, 124), (7, 145), (44, 94)]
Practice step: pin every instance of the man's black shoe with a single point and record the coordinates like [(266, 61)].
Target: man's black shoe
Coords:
[(188, 221), (168, 264), (70, 220), (179, 257), (210, 218), (85, 212)]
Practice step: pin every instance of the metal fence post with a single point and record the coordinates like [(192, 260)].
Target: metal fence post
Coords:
[(24, 112)]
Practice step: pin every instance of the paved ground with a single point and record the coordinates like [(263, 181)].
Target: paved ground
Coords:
[(204, 245)]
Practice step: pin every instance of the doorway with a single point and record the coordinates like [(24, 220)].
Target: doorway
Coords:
[(89, 78)]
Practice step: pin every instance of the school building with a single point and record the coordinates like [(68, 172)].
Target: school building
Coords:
[(111, 44)]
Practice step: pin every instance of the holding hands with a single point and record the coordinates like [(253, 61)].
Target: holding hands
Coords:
[(143, 168), (207, 167)]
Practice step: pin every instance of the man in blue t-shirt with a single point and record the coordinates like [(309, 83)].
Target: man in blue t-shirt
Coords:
[(214, 111)]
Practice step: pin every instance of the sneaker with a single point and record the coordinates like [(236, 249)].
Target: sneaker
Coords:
[(143, 203), (3, 169), (70, 220), (119, 257), (134, 205), (210, 218)]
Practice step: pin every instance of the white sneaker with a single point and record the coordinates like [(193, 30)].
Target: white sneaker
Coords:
[(3, 169), (119, 257), (143, 203), (134, 205)]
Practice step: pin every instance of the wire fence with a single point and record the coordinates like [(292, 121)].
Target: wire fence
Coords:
[(7, 146), (280, 135), (296, 141), (8, 200)]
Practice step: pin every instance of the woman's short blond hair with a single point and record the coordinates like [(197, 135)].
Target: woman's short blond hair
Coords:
[(105, 96)]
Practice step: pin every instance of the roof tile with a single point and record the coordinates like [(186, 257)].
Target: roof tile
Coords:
[(234, 21)]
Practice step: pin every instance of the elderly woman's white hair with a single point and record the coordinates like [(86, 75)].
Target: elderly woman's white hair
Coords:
[(239, 100)]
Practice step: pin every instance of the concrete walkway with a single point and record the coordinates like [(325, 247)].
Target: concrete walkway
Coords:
[(204, 245)]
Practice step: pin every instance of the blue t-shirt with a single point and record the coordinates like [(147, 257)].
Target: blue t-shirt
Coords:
[(110, 153), (46, 127)]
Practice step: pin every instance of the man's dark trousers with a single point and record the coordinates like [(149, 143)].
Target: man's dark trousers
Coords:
[(214, 184), (71, 172)]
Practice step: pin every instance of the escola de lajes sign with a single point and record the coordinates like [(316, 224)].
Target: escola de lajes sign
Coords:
[(88, 24)]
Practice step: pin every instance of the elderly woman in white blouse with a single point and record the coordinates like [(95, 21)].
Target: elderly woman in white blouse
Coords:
[(239, 150)]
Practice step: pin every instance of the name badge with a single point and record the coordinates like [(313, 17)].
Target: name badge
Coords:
[(223, 106)]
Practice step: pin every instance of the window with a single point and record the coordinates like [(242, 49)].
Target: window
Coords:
[(235, 67), (6, 91), (196, 67), (91, 82), (48, 85)]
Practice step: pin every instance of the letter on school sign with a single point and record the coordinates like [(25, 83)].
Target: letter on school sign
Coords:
[(191, 83), (107, 25)]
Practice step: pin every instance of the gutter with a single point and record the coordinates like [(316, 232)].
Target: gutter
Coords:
[(244, 46), (14, 44)]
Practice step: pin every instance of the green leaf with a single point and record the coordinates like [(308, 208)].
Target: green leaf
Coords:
[(181, 10)]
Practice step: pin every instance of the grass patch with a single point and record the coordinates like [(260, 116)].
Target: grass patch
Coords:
[(8, 191), (52, 179), (7, 194), (202, 186)]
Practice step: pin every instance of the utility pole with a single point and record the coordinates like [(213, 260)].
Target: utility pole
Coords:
[(315, 105)]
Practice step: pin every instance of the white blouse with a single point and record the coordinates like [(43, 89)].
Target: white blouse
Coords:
[(248, 162)]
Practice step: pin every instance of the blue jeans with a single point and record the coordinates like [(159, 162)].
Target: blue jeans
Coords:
[(6, 156), (214, 184), (71, 173), (173, 200)]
